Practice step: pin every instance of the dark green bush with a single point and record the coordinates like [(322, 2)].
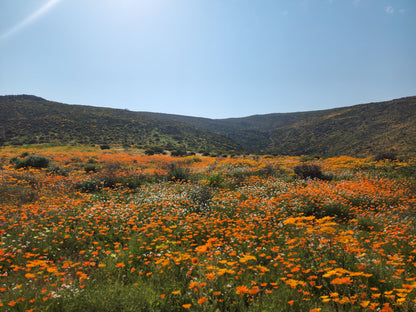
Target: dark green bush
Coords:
[(89, 186), (149, 152), (92, 161), (340, 212), (309, 158), (154, 150), (91, 168), (311, 171), (178, 152), (390, 155), (34, 161)]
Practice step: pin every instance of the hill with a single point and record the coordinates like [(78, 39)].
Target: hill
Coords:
[(358, 130), (27, 119)]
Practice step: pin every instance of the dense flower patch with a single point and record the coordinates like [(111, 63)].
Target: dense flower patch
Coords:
[(239, 234)]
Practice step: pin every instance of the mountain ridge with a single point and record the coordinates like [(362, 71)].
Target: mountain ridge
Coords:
[(358, 130)]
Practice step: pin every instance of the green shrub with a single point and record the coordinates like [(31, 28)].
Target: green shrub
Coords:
[(390, 155), (92, 161), (178, 152), (89, 186), (309, 158), (215, 180), (149, 152), (311, 171), (34, 161), (57, 170), (340, 212), (154, 150), (178, 173), (91, 168)]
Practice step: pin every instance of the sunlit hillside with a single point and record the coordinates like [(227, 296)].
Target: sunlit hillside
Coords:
[(360, 130)]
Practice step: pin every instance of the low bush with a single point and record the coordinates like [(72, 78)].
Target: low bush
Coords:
[(91, 168), (215, 180), (178, 173), (57, 170), (389, 155), (311, 171), (34, 161)]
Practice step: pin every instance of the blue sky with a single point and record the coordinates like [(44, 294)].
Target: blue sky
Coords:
[(209, 58)]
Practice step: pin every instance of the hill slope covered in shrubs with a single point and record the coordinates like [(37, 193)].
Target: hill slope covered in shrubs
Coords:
[(359, 130)]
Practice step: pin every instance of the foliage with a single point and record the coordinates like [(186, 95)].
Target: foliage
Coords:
[(305, 171), (177, 172), (105, 146), (389, 155), (34, 161), (215, 180), (91, 168)]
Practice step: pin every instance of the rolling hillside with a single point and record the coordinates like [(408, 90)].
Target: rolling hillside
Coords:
[(359, 130), (27, 119)]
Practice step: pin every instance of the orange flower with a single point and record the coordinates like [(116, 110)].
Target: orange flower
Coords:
[(177, 292), (202, 300), (12, 303), (120, 265), (195, 260), (30, 275), (254, 290), (201, 249), (186, 306), (342, 280), (386, 308), (241, 290), (210, 276)]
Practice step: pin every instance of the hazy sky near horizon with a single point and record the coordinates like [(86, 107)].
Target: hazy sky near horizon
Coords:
[(209, 58)]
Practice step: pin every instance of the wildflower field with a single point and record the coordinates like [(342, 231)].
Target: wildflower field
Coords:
[(105, 230)]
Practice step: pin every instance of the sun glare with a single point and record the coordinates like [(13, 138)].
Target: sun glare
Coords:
[(30, 19)]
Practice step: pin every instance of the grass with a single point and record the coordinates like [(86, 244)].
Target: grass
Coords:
[(235, 234)]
